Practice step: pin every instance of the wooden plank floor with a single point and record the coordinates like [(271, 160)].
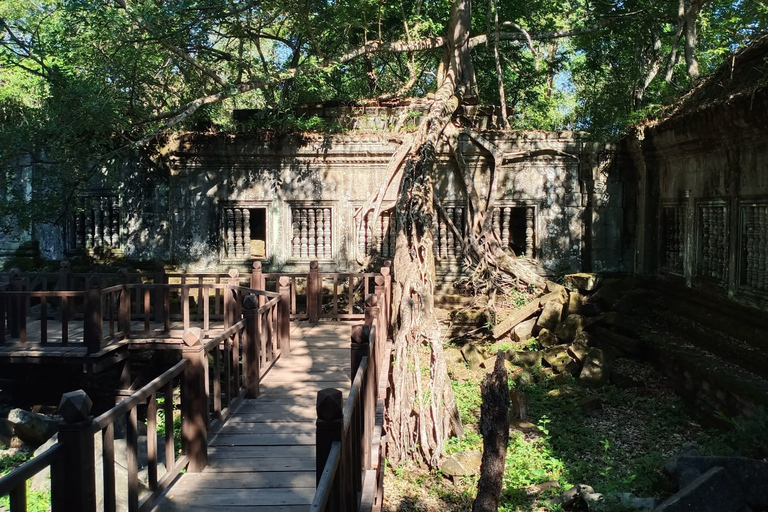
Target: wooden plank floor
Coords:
[(263, 459)]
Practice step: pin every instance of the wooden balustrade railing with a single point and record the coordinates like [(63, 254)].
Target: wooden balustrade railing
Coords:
[(166, 304), (349, 455), (212, 383)]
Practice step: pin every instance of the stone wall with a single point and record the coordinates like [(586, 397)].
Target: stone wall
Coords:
[(559, 184), (222, 200), (706, 191)]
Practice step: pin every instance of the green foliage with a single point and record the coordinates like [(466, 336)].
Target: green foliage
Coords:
[(9, 462), (37, 501), (750, 433)]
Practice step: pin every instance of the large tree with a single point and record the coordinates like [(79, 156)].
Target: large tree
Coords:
[(84, 82)]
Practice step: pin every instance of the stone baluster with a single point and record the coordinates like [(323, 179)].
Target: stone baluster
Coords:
[(229, 223), (327, 234), (246, 233), (238, 229), (530, 232), (115, 242), (303, 223), (295, 235), (88, 225)]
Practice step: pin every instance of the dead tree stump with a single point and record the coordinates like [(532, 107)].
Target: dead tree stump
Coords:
[(494, 427)]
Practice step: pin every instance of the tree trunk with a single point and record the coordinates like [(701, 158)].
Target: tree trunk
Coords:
[(421, 410), (494, 426)]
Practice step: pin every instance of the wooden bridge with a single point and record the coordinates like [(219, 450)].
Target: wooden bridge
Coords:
[(252, 383)]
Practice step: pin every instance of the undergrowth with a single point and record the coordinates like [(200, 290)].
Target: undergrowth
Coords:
[(620, 448)]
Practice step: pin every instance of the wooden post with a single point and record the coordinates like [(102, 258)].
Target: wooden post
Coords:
[(194, 401), (235, 315), (252, 348), (330, 422), (160, 293), (16, 315), (314, 293), (371, 309), (257, 277), (65, 270), (73, 476), (359, 347), (386, 273), (124, 308), (284, 316), (92, 320)]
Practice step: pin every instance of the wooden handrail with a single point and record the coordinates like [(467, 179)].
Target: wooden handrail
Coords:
[(139, 396), (19, 476), (323, 493)]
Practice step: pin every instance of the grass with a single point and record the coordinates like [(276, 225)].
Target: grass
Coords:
[(37, 501), (621, 449)]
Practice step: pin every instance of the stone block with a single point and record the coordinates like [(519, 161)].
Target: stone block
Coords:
[(713, 491), (546, 338), (509, 323), (550, 316), (34, 429), (528, 358), (583, 281), (473, 355), (557, 357), (596, 369), (578, 350), (523, 331), (749, 476), (574, 302), (566, 332), (462, 464)]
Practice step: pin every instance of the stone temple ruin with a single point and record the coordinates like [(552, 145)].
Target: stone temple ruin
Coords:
[(225, 200)]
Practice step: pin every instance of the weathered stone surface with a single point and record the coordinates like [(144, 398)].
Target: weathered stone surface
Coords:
[(574, 302), (489, 362), (34, 429), (570, 497), (557, 357), (607, 295), (560, 295), (515, 318), (523, 331), (583, 281), (578, 351), (567, 330), (525, 378), (525, 427), (554, 287), (625, 344), (473, 355), (462, 464), (546, 338), (596, 369), (749, 476), (711, 492), (454, 355), (550, 316), (528, 358)]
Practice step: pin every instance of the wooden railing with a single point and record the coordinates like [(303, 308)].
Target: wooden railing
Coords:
[(215, 375), (349, 449), (108, 306)]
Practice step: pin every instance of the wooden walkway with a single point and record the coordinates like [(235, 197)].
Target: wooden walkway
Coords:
[(263, 459)]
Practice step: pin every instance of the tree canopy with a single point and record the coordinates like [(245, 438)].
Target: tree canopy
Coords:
[(83, 78)]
